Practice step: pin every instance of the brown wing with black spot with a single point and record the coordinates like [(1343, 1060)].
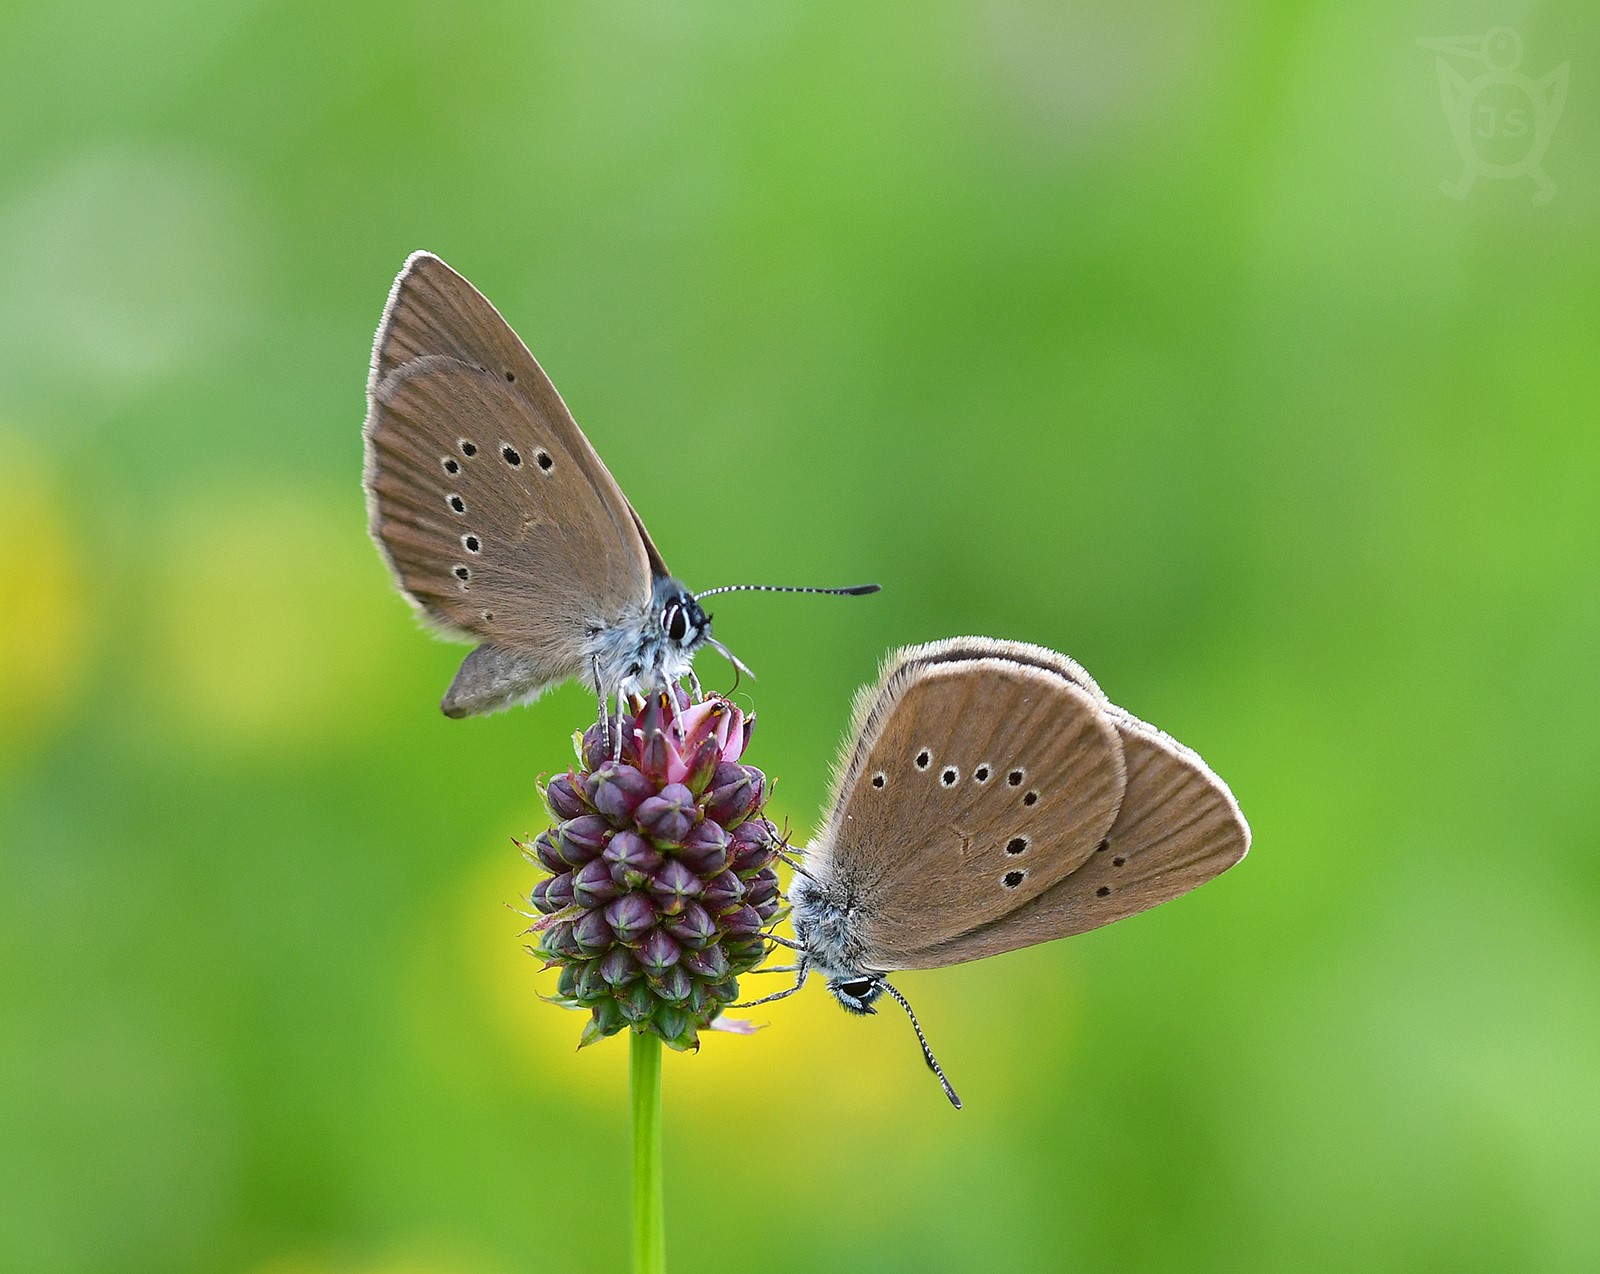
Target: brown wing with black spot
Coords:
[(497, 518), (973, 783), (1178, 827)]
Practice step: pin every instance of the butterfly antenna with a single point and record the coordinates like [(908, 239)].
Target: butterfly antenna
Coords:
[(927, 1053), (854, 590)]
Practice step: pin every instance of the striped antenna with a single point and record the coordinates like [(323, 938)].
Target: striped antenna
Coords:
[(927, 1053), (855, 590)]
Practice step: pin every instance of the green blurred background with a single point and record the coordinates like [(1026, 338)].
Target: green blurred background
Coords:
[(1142, 330)]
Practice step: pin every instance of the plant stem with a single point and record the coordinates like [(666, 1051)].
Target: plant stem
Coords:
[(649, 1234)]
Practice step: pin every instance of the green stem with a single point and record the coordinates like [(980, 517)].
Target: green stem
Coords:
[(649, 1234)]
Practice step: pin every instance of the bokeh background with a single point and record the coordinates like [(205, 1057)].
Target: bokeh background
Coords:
[(1143, 330)]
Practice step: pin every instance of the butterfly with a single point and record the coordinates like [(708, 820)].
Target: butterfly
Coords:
[(500, 523), (990, 797)]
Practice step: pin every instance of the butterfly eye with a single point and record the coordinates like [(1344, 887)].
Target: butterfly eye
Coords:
[(675, 622), (859, 989)]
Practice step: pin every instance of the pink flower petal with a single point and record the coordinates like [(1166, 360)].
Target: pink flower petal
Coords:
[(736, 1025), (693, 722)]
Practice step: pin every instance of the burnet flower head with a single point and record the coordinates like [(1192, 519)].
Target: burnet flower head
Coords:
[(661, 870)]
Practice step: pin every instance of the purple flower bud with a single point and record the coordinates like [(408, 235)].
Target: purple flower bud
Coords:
[(591, 933), (700, 764), (709, 962), (658, 952), (618, 967), (631, 860), (559, 894), (754, 843), (666, 819), (693, 927), (630, 917), (653, 908), (596, 748), (599, 745), (581, 839), (544, 849), (725, 893), (563, 797), (673, 886), (705, 849), (592, 885), (759, 889), (674, 984), (540, 897), (742, 923), (616, 790), (557, 942), (732, 795), (654, 756)]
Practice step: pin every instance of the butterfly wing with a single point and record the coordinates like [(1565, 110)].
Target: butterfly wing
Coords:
[(496, 517), (1178, 827), (973, 783)]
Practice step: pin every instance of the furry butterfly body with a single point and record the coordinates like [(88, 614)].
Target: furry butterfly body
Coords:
[(991, 797)]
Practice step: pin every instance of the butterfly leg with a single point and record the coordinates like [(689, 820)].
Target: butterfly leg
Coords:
[(622, 708), (599, 690), (784, 942), (678, 728), (699, 691), (799, 981)]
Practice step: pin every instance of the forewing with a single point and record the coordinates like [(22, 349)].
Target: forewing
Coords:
[(1178, 827), (970, 786), (959, 649), (496, 516)]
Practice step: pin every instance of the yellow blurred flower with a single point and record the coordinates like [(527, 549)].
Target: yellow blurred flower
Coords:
[(273, 623), (42, 633)]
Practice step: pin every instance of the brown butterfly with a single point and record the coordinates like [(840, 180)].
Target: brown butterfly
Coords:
[(991, 797), (499, 522)]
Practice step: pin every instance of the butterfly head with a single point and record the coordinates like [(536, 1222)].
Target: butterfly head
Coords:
[(684, 622), (856, 994)]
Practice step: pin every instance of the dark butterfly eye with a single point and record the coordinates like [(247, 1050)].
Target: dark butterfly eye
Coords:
[(675, 622), (857, 990)]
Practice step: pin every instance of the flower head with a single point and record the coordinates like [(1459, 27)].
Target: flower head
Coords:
[(661, 874)]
